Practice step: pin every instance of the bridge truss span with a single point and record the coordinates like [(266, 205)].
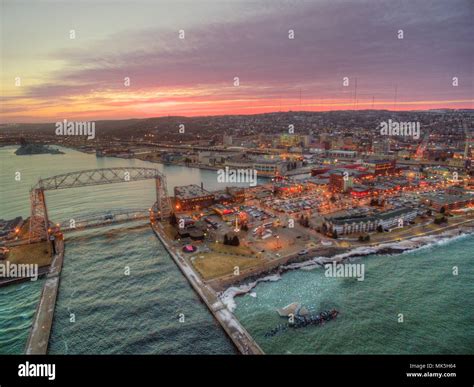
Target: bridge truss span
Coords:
[(98, 177), (104, 218), (39, 222)]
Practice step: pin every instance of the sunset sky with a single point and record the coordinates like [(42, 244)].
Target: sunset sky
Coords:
[(83, 78)]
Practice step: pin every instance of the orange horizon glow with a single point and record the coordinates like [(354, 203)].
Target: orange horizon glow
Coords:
[(135, 106), (232, 60)]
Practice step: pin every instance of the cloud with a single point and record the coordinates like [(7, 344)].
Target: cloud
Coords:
[(332, 40)]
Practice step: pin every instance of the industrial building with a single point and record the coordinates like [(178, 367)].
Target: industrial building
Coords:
[(190, 197), (449, 201)]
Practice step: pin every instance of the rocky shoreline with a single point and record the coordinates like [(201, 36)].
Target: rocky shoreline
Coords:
[(246, 285)]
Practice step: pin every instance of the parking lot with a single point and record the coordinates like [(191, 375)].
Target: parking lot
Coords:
[(294, 205)]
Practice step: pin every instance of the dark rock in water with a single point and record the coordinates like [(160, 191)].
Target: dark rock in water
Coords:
[(293, 308), (36, 149), (301, 321)]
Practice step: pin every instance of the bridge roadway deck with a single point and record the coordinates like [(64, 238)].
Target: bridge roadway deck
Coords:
[(104, 223)]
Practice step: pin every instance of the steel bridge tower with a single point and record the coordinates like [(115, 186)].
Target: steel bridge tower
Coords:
[(39, 222)]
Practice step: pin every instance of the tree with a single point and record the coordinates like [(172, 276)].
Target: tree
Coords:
[(306, 222), (173, 220), (235, 241), (226, 239), (379, 228), (325, 228), (334, 234), (442, 210), (429, 213), (441, 220)]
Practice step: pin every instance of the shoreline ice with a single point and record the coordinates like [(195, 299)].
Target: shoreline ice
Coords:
[(403, 247)]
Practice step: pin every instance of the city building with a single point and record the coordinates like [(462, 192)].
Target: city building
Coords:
[(340, 181), (360, 191), (381, 167), (222, 210), (343, 225), (306, 140), (190, 197), (317, 182), (222, 197), (381, 147), (320, 170), (457, 162), (403, 154), (287, 188), (342, 154), (236, 193), (211, 158), (437, 201), (270, 167), (265, 166), (290, 140)]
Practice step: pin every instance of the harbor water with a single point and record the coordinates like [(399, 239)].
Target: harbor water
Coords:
[(121, 293)]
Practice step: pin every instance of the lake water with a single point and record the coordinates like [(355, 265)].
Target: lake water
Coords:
[(100, 309)]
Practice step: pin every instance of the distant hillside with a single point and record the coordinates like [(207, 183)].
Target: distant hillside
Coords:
[(167, 127)]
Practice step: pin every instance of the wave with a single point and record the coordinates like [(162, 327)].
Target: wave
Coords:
[(227, 297), (390, 248)]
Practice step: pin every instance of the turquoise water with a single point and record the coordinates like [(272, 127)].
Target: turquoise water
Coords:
[(17, 307), (129, 314), (437, 307), (63, 204), (114, 313), (139, 313)]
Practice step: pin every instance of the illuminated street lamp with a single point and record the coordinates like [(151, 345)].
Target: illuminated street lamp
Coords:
[(278, 242), (236, 229)]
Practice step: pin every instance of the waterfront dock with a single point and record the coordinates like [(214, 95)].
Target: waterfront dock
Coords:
[(38, 338), (236, 332)]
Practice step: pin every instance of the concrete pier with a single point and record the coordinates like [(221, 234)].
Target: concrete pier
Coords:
[(38, 338), (236, 332)]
